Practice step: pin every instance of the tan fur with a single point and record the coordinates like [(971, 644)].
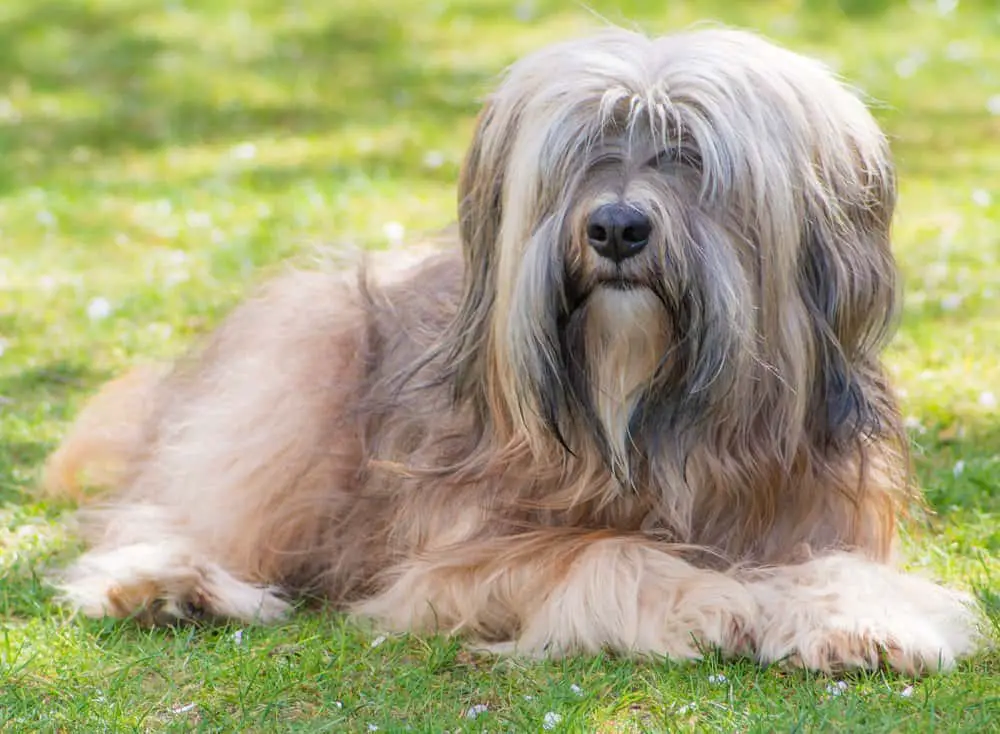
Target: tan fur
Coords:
[(520, 443), (104, 436)]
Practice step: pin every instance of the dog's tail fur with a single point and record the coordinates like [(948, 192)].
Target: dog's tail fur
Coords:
[(94, 456)]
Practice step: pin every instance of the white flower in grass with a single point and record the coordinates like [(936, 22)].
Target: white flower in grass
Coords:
[(958, 468), (576, 689), (959, 51), (524, 11), (988, 399), (163, 208), (476, 709), (159, 330), (177, 257), (434, 159), (717, 678), (243, 152), (906, 692), (373, 727), (551, 720), (951, 302), (8, 112), (946, 7), (981, 197), (394, 232), (99, 308), (198, 220), (238, 637), (175, 277), (910, 65), (836, 688)]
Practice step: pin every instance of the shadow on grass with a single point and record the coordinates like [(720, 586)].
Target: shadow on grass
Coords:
[(22, 393), (957, 464), (56, 380), (361, 68), (19, 455), (120, 84)]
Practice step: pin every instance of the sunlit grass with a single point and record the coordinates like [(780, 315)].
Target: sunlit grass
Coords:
[(158, 158)]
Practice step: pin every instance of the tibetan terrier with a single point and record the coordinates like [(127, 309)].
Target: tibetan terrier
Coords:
[(639, 407)]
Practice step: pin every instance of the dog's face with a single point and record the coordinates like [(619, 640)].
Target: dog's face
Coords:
[(669, 235)]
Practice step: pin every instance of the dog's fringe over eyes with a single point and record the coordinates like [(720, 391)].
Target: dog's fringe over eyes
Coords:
[(637, 406)]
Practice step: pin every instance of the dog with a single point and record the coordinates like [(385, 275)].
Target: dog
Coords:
[(637, 407)]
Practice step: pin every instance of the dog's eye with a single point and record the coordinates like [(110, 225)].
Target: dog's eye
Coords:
[(677, 156)]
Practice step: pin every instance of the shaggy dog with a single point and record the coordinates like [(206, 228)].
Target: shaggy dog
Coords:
[(640, 408)]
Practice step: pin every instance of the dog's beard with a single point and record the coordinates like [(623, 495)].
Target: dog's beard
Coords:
[(625, 335)]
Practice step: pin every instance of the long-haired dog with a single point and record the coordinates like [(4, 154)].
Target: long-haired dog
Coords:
[(641, 409)]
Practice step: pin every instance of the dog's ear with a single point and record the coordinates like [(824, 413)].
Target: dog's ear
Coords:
[(480, 188), (480, 214), (849, 284)]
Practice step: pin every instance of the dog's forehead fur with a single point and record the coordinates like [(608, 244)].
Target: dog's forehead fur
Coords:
[(765, 122)]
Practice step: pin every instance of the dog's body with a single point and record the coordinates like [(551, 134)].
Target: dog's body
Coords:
[(644, 411)]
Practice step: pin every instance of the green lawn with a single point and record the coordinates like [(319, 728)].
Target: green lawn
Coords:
[(157, 156)]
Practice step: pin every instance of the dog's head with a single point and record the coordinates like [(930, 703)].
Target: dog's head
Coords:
[(673, 236)]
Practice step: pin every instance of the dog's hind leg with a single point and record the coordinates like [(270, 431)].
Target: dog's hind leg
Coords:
[(250, 452), (105, 437)]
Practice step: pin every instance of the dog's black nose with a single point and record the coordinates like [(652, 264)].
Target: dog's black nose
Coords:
[(618, 231)]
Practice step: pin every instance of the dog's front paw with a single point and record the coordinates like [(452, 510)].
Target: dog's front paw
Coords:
[(913, 651), (721, 616), (842, 612)]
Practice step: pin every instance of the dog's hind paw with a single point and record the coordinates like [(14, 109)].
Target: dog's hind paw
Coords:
[(159, 583)]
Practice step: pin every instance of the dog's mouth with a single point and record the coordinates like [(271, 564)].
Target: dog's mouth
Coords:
[(579, 291), (620, 283)]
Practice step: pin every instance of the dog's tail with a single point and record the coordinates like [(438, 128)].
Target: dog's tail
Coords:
[(93, 458)]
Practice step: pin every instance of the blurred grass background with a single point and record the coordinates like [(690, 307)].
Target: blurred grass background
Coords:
[(158, 157)]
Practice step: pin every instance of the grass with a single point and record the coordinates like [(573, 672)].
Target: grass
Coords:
[(156, 158)]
